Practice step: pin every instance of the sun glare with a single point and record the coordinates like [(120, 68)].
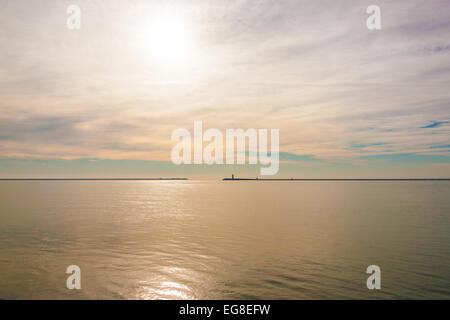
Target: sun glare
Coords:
[(170, 40)]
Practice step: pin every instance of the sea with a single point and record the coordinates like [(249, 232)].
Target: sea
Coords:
[(213, 239)]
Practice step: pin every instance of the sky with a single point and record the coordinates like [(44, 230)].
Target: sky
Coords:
[(103, 100)]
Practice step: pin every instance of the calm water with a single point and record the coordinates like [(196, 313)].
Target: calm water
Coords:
[(224, 240)]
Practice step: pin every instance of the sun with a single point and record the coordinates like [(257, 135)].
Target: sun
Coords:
[(170, 40)]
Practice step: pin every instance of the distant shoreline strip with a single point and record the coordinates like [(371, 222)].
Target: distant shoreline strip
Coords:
[(96, 179), (405, 179), (224, 179)]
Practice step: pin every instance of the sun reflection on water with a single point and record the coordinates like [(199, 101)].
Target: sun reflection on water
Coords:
[(167, 287), (167, 290)]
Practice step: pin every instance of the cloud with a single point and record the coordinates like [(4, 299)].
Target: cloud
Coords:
[(365, 145), (286, 156), (308, 68), (441, 48), (407, 158), (435, 124)]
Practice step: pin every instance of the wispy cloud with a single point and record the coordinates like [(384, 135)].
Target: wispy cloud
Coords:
[(435, 124), (441, 48), (365, 145), (286, 156), (447, 146)]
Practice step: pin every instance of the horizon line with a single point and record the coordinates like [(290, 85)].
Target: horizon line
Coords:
[(334, 179), (227, 179), (6, 179)]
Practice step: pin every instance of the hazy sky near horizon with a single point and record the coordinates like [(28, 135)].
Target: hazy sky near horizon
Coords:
[(348, 101)]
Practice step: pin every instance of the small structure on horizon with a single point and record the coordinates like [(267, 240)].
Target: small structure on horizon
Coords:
[(232, 176)]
